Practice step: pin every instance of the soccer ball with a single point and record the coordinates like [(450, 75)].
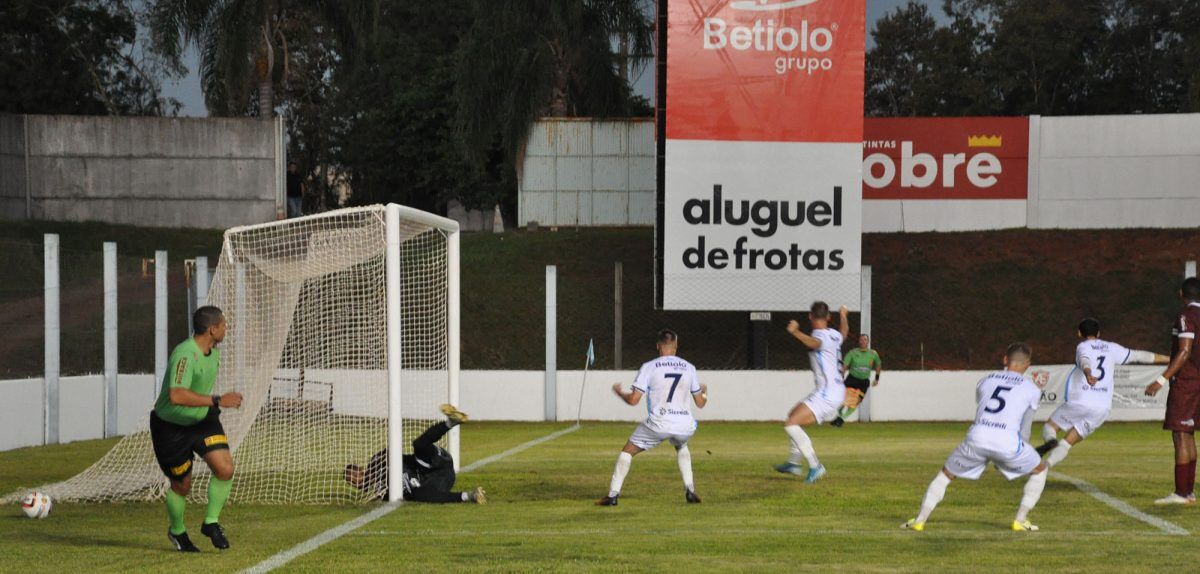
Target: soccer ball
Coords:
[(36, 505)]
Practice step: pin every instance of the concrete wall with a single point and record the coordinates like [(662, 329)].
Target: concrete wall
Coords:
[(1088, 172), (12, 166), (1115, 171), (588, 172), (207, 173), (518, 396)]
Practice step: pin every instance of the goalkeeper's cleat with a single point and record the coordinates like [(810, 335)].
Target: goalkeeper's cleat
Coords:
[(181, 541), (607, 501), (838, 422), (1174, 498), (215, 533), (1024, 526), (790, 468), (1047, 447), (690, 496), (815, 474), (478, 496), (456, 416), (912, 524)]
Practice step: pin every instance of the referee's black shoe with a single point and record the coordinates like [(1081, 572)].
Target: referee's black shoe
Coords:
[(215, 533), (181, 541), (1047, 447)]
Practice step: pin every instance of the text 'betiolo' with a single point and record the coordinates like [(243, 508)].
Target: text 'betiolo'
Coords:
[(764, 217)]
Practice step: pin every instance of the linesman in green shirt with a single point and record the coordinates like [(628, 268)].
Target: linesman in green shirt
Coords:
[(857, 366), (186, 420)]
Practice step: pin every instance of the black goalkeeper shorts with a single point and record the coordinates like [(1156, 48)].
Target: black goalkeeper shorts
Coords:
[(863, 385), (174, 444)]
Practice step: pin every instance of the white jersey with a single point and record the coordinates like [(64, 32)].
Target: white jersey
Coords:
[(1103, 358), (1004, 397), (668, 383), (826, 364)]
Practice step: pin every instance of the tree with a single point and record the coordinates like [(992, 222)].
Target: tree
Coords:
[(77, 57), (243, 44), (899, 67), (521, 59)]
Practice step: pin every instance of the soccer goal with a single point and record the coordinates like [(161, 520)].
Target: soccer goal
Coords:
[(343, 337)]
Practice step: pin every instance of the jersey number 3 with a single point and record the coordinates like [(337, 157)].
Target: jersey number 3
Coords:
[(996, 397)]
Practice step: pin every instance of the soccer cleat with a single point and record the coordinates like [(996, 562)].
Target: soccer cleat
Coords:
[(182, 542), (690, 497), (607, 501), (815, 474), (454, 414), (1025, 526), (215, 533), (1174, 498), (478, 496), (790, 468), (912, 524), (838, 422), (1047, 447)]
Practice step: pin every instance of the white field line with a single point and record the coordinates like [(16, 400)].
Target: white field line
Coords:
[(345, 528), (941, 530), (1121, 506)]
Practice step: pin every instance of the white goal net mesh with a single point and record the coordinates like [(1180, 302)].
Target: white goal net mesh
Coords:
[(306, 344)]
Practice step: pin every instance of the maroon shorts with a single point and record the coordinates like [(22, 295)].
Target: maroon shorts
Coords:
[(1183, 406)]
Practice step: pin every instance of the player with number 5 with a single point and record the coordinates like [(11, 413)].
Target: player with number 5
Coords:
[(1005, 398), (667, 382)]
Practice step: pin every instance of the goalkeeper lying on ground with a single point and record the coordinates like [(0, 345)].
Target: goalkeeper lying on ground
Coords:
[(428, 471)]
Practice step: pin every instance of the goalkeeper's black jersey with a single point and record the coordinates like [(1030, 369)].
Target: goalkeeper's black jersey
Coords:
[(436, 475)]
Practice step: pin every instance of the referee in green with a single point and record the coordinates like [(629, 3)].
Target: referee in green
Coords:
[(857, 366), (186, 420)]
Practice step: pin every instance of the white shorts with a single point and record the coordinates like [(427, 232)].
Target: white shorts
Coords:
[(969, 460), (824, 409), (647, 438), (1083, 419)]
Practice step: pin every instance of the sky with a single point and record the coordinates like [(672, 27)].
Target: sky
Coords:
[(187, 89)]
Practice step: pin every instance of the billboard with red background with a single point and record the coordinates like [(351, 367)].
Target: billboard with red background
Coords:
[(946, 158)]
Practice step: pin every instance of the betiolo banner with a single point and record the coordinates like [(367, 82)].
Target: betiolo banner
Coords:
[(760, 179)]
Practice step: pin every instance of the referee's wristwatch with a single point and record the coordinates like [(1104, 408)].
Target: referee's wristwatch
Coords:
[(216, 400)]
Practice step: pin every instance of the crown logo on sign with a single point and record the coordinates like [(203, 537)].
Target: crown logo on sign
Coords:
[(984, 141)]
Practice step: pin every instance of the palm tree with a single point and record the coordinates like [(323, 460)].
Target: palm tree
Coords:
[(522, 59), (243, 44)]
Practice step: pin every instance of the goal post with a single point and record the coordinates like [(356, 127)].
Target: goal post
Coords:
[(343, 334)]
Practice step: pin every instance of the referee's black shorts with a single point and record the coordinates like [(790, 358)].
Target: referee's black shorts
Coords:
[(862, 385), (174, 444)]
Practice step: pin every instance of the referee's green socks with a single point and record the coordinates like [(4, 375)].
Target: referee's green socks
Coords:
[(218, 493), (175, 505)]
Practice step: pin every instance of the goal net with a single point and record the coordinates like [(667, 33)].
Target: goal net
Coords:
[(325, 365)]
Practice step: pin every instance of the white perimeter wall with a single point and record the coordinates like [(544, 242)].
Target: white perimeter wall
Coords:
[(1085, 172), (518, 395)]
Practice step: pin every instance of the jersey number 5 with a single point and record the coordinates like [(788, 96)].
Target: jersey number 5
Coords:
[(996, 396), (674, 377)]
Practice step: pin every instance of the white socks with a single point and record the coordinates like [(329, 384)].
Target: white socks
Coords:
[(1048, 433), (684, 457), (801, 446), (1033, 491), (623, 461), (1058, 454), (933, 495)]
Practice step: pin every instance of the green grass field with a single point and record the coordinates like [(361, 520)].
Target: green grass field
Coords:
[(540, 515)]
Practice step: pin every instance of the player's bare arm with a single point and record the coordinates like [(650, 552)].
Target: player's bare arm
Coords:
[(701, 397), (188, 398), (631, 397), (809, 341), (844, 323), (1177, 363)]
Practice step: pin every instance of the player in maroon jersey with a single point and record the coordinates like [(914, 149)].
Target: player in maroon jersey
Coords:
[(1183, 400)]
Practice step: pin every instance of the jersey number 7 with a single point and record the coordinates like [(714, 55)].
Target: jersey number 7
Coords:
[(674, 377)]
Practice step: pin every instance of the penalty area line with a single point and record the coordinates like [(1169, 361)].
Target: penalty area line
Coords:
[(347, 527), (1121, 506)]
